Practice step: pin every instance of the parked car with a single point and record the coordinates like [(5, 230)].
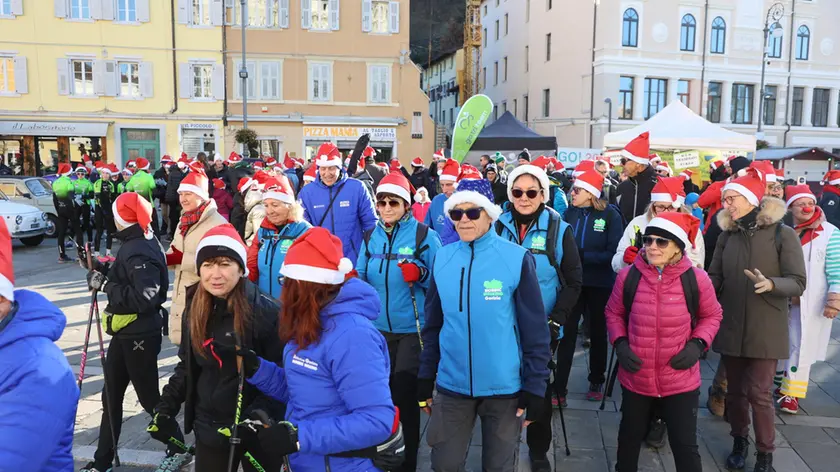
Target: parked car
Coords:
[(25, 222), (34, 191)]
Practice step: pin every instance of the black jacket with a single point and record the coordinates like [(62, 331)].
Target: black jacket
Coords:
[(175, 178), (689, 187), (161, 182), (374, 170), (238, 215), (499, 191), (137, 283), (633, 195), (183, 386), (830, 204), (420, 178)]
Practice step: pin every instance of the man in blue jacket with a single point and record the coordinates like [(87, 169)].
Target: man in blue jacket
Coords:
[(338, 203), (486, 339), (38, 392), (436, 217)]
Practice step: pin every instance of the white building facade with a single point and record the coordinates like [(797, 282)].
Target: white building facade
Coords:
[(441, 82)]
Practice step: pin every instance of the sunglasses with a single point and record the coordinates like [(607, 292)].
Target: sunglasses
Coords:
[(517, 193), (472, 213), (660, 242), (390, 203), (623, 160)]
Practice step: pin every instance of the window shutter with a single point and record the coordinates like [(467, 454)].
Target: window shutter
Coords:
[(111, 78), (252, 80), (237, 81), (21, 78), (394, 17), (372, 84), (60, 9), (326, 82), (108, 9), (99, 77), (284, 14), (217, 12), (17, 7), (305, 14), (217, 81), (184, 13), (63, 68), (386, 84), (147, 80), (314, 81), (334, 15), (367, 13), (143, 15), (185, 80), (96, 9)]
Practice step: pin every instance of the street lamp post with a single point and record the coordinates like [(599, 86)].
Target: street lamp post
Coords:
[(243, 73), (608, 101), (774, 14)]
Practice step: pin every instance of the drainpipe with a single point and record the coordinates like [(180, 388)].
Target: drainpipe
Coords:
[(790, 67), (224, 67), (592, 71), (174, 60), (703, 69)]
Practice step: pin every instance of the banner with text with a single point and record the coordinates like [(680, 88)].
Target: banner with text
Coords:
[(570, 157), (471, 120), (685, 160)]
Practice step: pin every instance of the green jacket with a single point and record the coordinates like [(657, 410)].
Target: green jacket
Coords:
[(84, 192), (142, 183), (63, 188)]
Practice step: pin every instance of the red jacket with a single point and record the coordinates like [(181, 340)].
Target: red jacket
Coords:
[(224, 202), (419, 210), (660, 325), (710, 200)]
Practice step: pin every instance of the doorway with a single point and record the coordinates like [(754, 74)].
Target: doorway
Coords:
[(141, 143)]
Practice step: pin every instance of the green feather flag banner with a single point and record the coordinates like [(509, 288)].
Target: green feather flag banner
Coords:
[(471, 120)]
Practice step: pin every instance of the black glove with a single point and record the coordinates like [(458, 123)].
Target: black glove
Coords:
[(532, 404), (279, 438), (626, 357), (96, 280), (163, 427), (556, 330), (689, 355), (425, 387), (250, 360)]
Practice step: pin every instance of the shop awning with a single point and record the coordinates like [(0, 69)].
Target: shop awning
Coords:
[(54, 128)]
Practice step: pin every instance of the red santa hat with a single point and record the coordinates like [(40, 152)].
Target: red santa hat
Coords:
[(143, 163), (80, 169), (196, 167), (558, 166), (113, 168), (716, 164), (417, 162), (766, 169), (259, 165), (103, 168), (591, 181), (450, 171), (261, 178), (131, 209), (654, 159), (832, 177), (369, 152), (780, 175), (395, 183), (533, 170), (165, 158), (681, 228), (440, 154), (384, 167), (795, 192), (127, 172), (7, 268), (195, 182), (328, 156), (669, 189), (638, 150), (288, 162), (309, 175), (469, 172), (183, 162), (218, 184), (542, 162), (278, 188), (299, 161), (221, 241), (64, 169), (131, 164), (317, 256), (582, 167), (85, 159), (394, 165), (98, 165), (751, 185), (663, 166), (686, 174), (730, 157), (245, 184), (234, 158)]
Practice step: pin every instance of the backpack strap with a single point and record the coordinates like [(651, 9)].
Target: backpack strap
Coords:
[(692, 294), (777, 239), (419, 237), (366, 236), (551, 242), (631, 283)]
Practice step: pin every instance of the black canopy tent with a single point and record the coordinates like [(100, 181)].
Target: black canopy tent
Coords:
[(509, 134)]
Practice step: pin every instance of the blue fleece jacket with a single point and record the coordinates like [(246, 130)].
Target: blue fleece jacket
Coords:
[(336, 390), (38, 392), (293, 179), (352, 211), (273, 246), (381, 270), (439, 221), (597, 234), (485, 333)]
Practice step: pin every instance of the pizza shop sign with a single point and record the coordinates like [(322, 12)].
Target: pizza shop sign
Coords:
[(376, 134)]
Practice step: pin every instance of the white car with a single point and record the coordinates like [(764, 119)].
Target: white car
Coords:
[(25, 222)]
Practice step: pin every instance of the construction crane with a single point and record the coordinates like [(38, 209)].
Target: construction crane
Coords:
[(472, 51)]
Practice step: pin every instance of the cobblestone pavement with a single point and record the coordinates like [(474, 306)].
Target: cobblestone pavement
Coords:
[(806, 442)]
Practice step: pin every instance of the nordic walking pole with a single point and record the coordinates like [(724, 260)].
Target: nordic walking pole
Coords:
[(83, 362), (234, 435), (562, 416), (416, 314), (608, 391)]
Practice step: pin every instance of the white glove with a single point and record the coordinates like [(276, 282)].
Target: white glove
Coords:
[(762, 283)]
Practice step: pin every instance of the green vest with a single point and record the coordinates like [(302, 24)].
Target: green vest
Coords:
[(63, 188), (143, 184), (84, 189)]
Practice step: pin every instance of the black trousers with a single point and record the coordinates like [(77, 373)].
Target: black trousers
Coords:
[(680, 415), (404, 351), (67, 218), (87, 224), (104, 221), (174, 219), (593, 299), (538, 433), (128, 360), (212, 458)]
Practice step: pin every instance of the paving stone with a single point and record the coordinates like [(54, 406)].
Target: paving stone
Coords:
[(804, 434), (815, 421), (831, 388), (834, 433), (649, 460), (581, 460), (824, 372), (583, 427), (819, 457), (819, 403), (787, 459)]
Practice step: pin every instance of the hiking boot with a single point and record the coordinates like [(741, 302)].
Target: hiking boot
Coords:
[(63, 259), (789, 404), (91, 467), (737, 459), (540, 463), (763, 462), (656, 434), (595, 392), (716, 402), (559, 402)]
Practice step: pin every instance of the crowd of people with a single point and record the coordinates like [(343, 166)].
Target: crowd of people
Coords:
[(320, 309)]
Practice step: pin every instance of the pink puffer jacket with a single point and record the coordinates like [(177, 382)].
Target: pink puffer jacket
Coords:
[(660, 325)]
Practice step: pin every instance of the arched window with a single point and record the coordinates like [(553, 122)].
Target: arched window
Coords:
[(718, 36), (688, 29), (803, 43), (774, 44), (630, 29)]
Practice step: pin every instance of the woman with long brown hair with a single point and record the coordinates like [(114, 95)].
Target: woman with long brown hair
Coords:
[(224, 309), (335, 370)]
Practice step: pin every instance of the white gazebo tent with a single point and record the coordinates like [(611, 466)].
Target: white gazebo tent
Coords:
[(676, 127)]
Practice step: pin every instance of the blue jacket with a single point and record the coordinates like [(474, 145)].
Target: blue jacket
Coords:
[(38, 392), (597, 234), (439, 221), (271, 247), (336, 389), (293, 179), (537, 239), (560, 203), (352, 211), (381, 271), (486, 332)]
